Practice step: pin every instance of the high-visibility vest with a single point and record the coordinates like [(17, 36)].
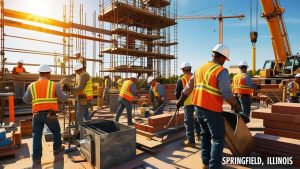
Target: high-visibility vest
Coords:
[(19, 70), (185, 79), (295, 89), (88, 89), (43, 95), (239, 85), (155, 90), (125, 92), (206, 93), (119, 84)]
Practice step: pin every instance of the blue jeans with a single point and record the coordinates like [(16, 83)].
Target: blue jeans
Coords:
[(124, 104), (191, 124), (245, 102), (212, 137), (38, 121), (82, 114)]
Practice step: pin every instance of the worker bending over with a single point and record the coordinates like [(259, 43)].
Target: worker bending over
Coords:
[(242, 87), (127, 93), (294, 90), (157, 95), (210, 85), (44, 94), (84, 93), (107, 85), (191, 124), (19, 84)]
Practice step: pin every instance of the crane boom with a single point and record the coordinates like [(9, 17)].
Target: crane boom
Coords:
[(272, 12)]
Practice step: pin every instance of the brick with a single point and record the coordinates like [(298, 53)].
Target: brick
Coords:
[(267, 115), (269, 86), (155, 129), (286, 108), (282, 125), (282, 133), (170, 86), (26, 128), (140, 126)]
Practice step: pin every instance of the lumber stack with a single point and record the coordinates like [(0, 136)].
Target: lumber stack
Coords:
[(157, 123), (282, 129)]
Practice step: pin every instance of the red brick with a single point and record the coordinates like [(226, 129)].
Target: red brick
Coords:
[(170, 86), (286, 108), (282, 125), (267, 115), (282, 133), (156, 120), (155, 129), (141, 126)]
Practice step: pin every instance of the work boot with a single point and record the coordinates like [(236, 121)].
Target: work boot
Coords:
[(62, 148), (186, 143)]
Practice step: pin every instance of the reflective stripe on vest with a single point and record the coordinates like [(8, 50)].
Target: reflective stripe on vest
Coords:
[(239, 85), (185, 79), (43, 95), (125, 92), (88, 89), (155, 90), (19, 70), (295, 89), (206, 93)]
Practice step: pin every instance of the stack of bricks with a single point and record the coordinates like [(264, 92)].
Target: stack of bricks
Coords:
[(283, 121), (170, 91), (158, 123)]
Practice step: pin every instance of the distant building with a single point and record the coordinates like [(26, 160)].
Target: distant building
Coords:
[(233, 69)]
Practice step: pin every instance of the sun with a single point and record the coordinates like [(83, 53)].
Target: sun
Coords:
[(38, 7)]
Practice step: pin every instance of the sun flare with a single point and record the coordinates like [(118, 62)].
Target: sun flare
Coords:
[(38, 7)]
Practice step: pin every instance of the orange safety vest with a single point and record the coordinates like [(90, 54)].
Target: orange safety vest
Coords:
[(155, 90), (206, 93), (295, 89), (185, 79), (125, 92), (239, 85), (43, 95), (19, 70)]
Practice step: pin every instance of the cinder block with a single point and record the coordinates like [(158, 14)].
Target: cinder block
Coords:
[(286, 108)]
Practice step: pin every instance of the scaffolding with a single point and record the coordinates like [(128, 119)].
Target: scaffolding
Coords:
[(143, 36)]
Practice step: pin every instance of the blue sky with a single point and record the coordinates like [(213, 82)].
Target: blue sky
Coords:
[(196, 38)]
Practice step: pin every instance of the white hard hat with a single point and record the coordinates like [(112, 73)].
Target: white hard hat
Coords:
[(106, 74), (78, 66), (20, 61), (44, 68), (185, 65), (222, 49), (150, 79), (134, 76), (243, 63), (297, 75)]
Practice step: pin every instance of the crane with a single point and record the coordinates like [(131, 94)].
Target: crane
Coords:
[(284, 63), (220, 18)]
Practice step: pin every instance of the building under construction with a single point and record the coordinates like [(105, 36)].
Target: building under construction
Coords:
[(143, 36)]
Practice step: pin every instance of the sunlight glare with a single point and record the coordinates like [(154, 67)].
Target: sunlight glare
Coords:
[(38, 7)]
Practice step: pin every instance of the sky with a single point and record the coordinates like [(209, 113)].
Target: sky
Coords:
[(196, 37)]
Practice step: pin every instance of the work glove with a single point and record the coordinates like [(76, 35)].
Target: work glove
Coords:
[(181, 100)]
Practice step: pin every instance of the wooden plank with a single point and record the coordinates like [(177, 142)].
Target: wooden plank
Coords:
[(156, 163), (267, 115), (283, 133), (286, 108), (282, 125)]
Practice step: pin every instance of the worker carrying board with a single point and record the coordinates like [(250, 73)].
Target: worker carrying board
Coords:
[(157, 95), (242, 87), (210, 85), (294, 90), (127, 93), (44, 95), (191, 124)]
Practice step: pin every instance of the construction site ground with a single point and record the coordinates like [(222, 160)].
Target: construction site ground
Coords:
[(169, 155)]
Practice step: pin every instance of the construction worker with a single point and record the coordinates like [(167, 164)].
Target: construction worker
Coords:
[(242, 88), (210, 85), (19, 84), (44, 94), (191, 125), (127, 93), (107, 85), (157, 95), (84, 93), (294, 90), (118, 82)]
